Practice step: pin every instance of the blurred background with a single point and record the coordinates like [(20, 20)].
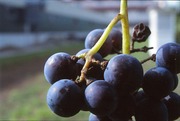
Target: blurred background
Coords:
[(33, 30)]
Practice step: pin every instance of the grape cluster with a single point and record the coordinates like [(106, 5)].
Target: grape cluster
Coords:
[(116, 89)]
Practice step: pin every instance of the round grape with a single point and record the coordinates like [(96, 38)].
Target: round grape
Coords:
[(139, 96), (125, 108), (101, 98), (116, 39), (125, 73), (151, 110), (168, 56), (64, 98), (158, 82), (172, 102), (59, 66)]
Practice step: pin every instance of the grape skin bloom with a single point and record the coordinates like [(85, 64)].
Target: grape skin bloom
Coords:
[(168, 56), (125, 73), (64, 98), (101, 98), (59, 66)]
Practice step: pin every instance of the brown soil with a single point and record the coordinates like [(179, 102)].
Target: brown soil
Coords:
[(14, 75)]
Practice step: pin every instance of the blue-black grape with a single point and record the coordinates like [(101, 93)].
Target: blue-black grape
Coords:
[(93, 117), (59, 66), (168, 56), (139, 96), (125, 108), (101, 98), (64, 98), (151, 110), (158, 82), (93, 37), (125, 73), (172, 102), (116, 39)]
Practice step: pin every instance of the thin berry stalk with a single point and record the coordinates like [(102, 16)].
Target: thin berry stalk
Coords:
[(104, 36), (123, 16), (97, 46)]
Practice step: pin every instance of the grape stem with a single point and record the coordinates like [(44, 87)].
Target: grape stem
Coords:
[(123, 16), (125, 27), (143, 49), (104, 36), (153, 58), (97, 46)]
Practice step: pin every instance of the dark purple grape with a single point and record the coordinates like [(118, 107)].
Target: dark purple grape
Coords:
[(64, 98), (101, 98), (168, 56), (59, 66), (93, 37), (151, 110), (93, 117), (116, 39), (125, 108), (158, 82), (125, 73), (139, 96), (172, 102)]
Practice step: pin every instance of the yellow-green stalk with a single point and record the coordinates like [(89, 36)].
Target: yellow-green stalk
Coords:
[(123, 16), (125, 27)]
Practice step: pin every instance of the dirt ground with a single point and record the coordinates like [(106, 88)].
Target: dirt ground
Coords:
[(14, 75)]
